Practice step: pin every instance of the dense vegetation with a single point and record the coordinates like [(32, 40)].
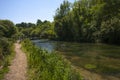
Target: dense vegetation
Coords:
[(81, 21), (89, 21), (7, 31), (41, 29), (47, 66)]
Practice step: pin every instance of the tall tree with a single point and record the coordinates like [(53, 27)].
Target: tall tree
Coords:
[(61, 21)]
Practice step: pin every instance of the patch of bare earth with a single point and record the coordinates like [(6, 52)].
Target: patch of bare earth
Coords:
[(18, 67)]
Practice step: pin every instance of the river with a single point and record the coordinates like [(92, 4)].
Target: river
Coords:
[(94, 61)]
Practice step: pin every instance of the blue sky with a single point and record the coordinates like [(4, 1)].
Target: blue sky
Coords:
[(28, 10)]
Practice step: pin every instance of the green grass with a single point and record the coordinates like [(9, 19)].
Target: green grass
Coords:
[(43, 65), (3, 71), (6, 62)]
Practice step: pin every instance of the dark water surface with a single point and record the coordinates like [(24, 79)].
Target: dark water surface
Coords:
[(99, 58)]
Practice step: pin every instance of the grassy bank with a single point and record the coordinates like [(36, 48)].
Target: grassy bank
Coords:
[(6, 55), (47, 66)]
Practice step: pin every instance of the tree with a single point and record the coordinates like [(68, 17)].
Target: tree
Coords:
[(7, 28), (39, 22), (110, 31), (60, 20), (87, 21), (62, 10)]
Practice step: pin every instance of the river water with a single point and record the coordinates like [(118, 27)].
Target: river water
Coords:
[(94, 60)]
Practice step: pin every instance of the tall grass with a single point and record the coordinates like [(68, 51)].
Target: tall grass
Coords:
[(6, 55), (47, 66)]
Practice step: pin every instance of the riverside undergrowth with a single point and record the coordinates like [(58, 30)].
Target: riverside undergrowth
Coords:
[(6, 55), (43, 65)]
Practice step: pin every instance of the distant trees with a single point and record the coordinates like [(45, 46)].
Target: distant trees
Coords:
[(88, 21), (25, 25), (39, 22), (41, 29), (82, 21)]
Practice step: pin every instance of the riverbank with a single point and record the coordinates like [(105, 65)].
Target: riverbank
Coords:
[(43, 65), (94, 60)]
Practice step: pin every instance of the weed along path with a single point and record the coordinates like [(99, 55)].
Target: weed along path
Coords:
[(18, 67)]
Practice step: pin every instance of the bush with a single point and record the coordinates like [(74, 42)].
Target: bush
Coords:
[(47, 66), (6, 55), (5, 49)]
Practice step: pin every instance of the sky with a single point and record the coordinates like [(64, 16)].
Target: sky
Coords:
[(29, 10)]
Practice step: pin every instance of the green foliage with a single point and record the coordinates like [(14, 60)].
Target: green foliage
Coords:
[(40, 30), (2, 72), (110, 31), (6, 55), (24, 30), (25, 25), (88, 21), (63, 10), (5, 50), (7, 28), (47, 66), (7, 31), (39, 22), (61, 21), (46, 30)]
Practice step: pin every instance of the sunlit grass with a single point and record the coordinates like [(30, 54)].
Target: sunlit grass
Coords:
[(6, 62), (47, 66)]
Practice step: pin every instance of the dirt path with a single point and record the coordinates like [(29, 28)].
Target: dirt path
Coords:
[(18, 66)]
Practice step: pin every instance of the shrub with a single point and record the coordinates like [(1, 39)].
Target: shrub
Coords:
[(47, 66), (6, 55)]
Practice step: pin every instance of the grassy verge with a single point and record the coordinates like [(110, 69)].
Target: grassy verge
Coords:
[(47, 66), (6, 60)]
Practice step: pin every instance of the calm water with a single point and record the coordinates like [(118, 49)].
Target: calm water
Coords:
[(99, 58)]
